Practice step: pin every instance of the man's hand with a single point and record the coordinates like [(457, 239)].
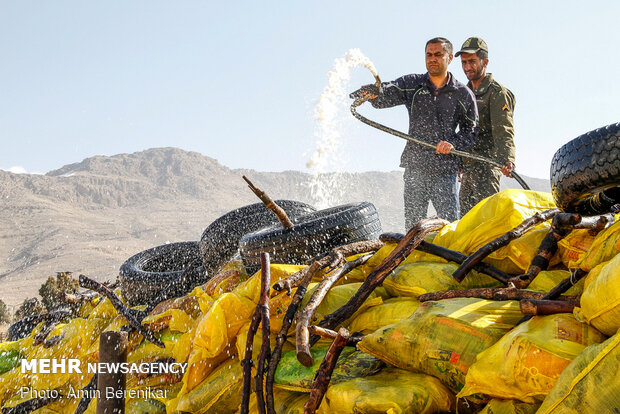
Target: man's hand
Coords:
[(508, 168), (444, 147), (367, 92)]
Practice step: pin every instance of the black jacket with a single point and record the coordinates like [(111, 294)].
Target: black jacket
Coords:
[(447, 114)]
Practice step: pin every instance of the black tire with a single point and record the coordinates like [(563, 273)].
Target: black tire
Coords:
[(311, 235), (144, 275), (220, 240), (585, 172)]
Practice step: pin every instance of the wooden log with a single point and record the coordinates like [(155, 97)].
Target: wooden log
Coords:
[(305, 316), (469, 263), (87, 395), (329, 334), (482, 293), (313, 270), (265, 351), (270, 204), (335, 257), (247, 362), (112, 350), (324, 373), (546, 307), (396, 257), (128, 313), (450, 255)]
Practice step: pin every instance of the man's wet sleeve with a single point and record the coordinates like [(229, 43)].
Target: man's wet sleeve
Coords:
[(501, 106), (392, 94)]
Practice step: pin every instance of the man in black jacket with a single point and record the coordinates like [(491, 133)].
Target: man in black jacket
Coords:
[(442, 112)]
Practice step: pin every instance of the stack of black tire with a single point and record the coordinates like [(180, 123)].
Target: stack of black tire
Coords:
[(248, 230)]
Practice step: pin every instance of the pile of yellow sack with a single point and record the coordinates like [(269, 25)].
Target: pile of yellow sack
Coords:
[(466, 354)]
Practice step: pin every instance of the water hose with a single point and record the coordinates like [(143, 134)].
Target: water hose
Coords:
[(407, 137)]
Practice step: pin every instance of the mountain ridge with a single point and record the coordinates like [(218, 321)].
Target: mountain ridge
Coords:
[(90, 216)]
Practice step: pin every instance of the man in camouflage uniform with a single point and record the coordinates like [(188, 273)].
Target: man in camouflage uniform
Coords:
[(495, 136)]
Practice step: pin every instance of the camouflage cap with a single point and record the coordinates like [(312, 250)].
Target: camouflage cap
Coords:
[(472, 45)]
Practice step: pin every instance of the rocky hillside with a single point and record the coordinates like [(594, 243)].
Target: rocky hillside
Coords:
[(89, 217)]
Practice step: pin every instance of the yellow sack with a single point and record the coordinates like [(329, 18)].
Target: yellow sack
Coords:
[(220, 392), (573, 247), (228, 313), (589, 384), (415, 279), (548, 279), (496, 406), (390, 391), (492, 217), (600, 301), (526, 363), (199, 368), (603, 248), (443, 338), (390, 311)]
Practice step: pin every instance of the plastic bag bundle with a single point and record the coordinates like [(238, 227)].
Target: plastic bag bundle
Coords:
[(390, 391), (390, 311), (220, 392), (526, 363), (600, 301), (492, 217), (589, 384), (603, 248), (443, 338)]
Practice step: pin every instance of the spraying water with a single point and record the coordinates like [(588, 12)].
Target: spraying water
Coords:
[(324, 186)]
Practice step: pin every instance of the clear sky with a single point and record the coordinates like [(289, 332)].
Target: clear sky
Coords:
[(238, 81)]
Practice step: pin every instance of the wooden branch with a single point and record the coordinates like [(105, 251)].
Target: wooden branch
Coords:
[(329, 334), (281, 214), (91, 284), (546, 307), (87, 395), (313, 270), (31, 405), (265, 351), (450, 255), (469, 263), (561, 287), (305, 316), (40, 337), (396, 257), (561, 226), (247, 362), (595, 224), (324, 374), (482, 293), (333, 259)]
